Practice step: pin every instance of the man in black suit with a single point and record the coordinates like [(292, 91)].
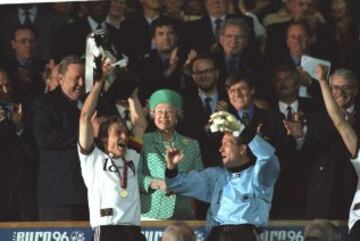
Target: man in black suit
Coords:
[(136, 36), (332, 178), (18, 168), (294, 112), (44, 21), (71, 37), (241, 91), (298, 43), (209, 98), (236, 55), (25, 70), (204, 33), (162, 67), (62, 193)]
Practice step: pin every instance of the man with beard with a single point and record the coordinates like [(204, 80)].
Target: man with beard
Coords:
[(209, 98), (198, 108), (62, 193)]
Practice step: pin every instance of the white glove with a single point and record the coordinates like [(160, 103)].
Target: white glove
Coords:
[(223, 121)]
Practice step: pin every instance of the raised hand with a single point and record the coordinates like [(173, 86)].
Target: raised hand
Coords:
[(321, 73), (173, 62), (173, 157), (17, 115), (305, 78), (191, 56), (294, 127)]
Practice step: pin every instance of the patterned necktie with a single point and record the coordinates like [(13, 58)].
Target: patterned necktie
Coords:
[(99, 26), (207, 107), (289, 113), (245, 118)]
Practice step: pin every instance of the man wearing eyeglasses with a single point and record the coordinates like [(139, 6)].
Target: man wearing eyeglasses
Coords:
[(332, 178), (24, 69), (208, 98), (198, 108), (237, 56)]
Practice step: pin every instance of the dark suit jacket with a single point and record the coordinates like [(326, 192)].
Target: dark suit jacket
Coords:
[(137, 37), (332, 178), (24, 92), (151, 72), (195, 120), (71, 38), (285, 58), (292, 181), (55, 124), (18, 174), (271, 128), (276, 41), (249, 61), (46, 23), (199, 33)]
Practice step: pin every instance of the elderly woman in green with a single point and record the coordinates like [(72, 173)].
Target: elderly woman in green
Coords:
[(156, 201)]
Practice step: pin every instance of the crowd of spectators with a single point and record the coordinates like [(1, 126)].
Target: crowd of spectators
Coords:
[(240, 56)]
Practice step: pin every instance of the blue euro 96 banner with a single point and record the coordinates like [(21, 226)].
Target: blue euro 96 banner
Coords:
[(152, 233)]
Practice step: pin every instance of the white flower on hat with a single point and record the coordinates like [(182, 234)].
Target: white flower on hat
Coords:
[(223, 121)]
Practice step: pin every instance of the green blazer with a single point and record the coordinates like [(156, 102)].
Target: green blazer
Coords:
[(156, 204)]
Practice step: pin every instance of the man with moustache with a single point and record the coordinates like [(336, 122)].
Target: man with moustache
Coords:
[(294, 112), (62, 193)]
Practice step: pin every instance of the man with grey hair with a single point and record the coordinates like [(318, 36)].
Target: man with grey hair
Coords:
[(235, 55), (321, 230), (332, 178), (204, 33), (178, 231), (344, 88), (62, 193)]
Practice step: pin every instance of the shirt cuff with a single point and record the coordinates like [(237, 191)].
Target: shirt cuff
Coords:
[(171, 173)]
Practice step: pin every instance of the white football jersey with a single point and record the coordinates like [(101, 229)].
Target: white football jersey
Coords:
[(101, 177)]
